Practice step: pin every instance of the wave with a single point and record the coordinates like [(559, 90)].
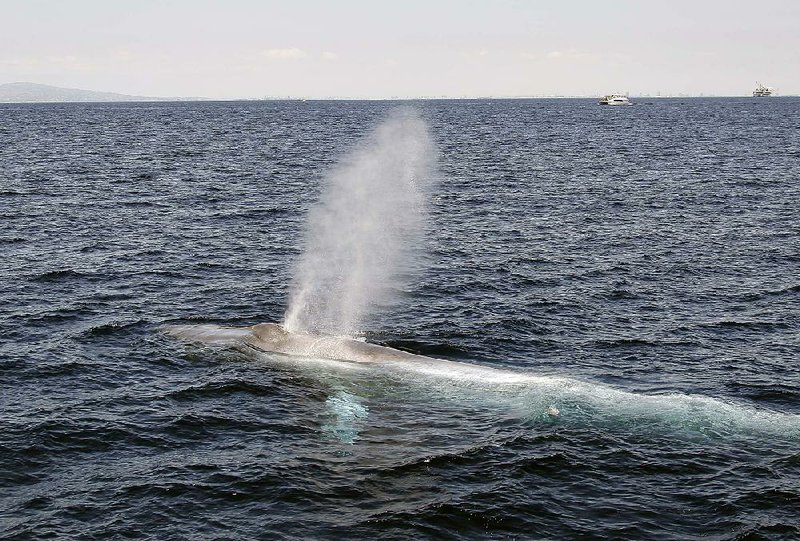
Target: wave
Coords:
[(58, 275), (769, 293), (111, 327), (12, 240)]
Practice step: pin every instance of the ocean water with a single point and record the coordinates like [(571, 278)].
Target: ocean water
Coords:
[(636, 268)]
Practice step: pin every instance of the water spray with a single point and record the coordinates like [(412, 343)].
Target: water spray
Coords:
[(363, 234)]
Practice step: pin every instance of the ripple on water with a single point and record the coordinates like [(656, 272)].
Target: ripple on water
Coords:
[(650, 289)]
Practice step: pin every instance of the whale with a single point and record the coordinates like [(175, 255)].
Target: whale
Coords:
[(274, 338), (311, 349), (544, 396)]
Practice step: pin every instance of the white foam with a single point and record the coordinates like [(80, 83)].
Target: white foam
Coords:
[(690, 411), (577, 400), (530, 394)]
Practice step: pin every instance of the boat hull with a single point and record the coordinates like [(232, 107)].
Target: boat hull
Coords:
[(614, 99)]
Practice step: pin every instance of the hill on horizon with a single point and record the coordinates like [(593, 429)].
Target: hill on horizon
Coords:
[(38, 93)]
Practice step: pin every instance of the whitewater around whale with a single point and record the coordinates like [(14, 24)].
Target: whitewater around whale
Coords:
[(544, 397)]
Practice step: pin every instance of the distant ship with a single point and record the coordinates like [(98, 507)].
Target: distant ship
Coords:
[(762, 91), (615, 99)]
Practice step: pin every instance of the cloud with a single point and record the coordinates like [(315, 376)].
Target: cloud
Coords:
[(572, 55), (327, 55), (284, 54), (565, 55), (62, 63), (71, 63), (18, 63)]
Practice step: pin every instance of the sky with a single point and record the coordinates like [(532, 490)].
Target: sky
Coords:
[(410, 48)]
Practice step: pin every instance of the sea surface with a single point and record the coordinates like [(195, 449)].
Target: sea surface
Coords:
[(635, 268)]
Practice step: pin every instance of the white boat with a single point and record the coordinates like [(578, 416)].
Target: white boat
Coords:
[(762, 91), (615, 99)]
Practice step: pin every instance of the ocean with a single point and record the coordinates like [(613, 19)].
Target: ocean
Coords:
[(634, 268)]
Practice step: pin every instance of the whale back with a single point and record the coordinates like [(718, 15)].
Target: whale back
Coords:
[(273, 337)]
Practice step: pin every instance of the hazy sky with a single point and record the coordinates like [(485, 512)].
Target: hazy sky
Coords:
[(248, 48)]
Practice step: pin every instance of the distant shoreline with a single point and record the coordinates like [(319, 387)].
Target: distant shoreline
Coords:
[(26, 92), (344, 99)]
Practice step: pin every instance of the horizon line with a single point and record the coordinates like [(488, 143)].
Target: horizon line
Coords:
[(173, 99), (301, 97)]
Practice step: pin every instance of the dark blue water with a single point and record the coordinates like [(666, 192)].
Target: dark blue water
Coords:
[(635, 267)]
